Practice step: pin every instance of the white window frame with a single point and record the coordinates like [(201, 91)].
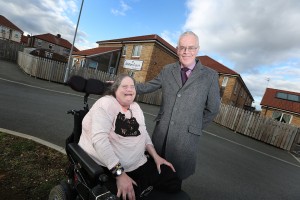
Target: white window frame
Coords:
[(39, 42), (136, 51), (225, 81), (281, 116), (236, 88), (124, 50)]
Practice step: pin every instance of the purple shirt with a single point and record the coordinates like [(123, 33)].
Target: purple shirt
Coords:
[(191, 67)]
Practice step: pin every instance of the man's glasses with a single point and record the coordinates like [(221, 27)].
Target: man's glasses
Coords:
[(189, 49)]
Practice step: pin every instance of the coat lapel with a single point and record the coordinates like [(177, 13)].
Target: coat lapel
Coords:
[(177, 75), (196, 73)]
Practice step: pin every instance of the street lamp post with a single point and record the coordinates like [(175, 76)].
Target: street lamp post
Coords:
[(71, 51)]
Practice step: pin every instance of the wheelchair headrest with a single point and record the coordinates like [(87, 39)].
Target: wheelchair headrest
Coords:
[(77, 83), (90, 86)]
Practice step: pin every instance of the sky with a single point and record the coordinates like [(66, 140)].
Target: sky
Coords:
[(259, 39)]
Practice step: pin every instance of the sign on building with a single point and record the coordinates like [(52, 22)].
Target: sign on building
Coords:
[(133, 64)]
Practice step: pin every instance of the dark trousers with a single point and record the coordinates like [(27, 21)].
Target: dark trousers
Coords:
[(147, 175)]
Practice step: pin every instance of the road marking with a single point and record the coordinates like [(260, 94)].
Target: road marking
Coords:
[(40, 87), (254, 150), (150, 114)]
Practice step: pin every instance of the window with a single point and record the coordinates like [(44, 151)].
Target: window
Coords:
[(16, 35), (39, 42), (111, 70), (51, 46), (281, 95), (293, 97), (131, 73), (92, 64), (286, 96), (225, 80), (235, 88), (136, 52), (124, 50), (282, 117)]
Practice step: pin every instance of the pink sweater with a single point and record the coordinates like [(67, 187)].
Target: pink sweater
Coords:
[(106, 147)]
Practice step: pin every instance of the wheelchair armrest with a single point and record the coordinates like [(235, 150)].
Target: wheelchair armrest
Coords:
[(91, 167)]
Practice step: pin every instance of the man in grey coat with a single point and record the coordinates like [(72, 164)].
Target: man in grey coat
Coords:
[(186, 108)]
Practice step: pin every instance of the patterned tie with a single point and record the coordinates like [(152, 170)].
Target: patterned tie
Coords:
[(184, 77)]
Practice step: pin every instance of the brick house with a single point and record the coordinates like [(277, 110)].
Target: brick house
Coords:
[(141, 56), (9, 31), (281, 105), (232, 87), (52, 43), (144, 56)]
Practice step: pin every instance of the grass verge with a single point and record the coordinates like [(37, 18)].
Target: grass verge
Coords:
[(28, 170)]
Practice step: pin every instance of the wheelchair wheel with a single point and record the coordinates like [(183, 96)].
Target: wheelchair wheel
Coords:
[(57, 193)]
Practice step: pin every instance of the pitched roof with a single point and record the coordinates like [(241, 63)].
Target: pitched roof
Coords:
[(96, 51), (143, 38), (56, 40), (221, 69), (211, 63), (270, 100), (5, 22)]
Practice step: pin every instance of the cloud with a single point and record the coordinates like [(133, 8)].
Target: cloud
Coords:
[(248, 33), (170, 37), (258, 82), (44, 16), (122, 11), (258, 38)]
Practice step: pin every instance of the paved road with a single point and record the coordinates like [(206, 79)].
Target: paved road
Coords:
[(230, 166)]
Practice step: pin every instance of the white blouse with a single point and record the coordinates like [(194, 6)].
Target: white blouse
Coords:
[(106, 147)]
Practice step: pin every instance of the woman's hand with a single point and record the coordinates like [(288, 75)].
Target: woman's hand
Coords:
[(125, 187)]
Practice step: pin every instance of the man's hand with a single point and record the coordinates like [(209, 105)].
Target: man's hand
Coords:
[(125, 187), (158, 160), (161, 161)]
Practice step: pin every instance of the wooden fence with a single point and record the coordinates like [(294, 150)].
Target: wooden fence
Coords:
[(41, 67), (55, 71), (9, 50), (254, 125)]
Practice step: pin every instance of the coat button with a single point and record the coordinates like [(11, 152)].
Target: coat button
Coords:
[(178, 95)]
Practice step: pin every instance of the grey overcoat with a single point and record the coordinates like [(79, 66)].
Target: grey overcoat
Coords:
[(184, 112)]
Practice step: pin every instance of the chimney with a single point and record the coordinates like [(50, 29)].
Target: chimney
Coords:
[(58, 35)]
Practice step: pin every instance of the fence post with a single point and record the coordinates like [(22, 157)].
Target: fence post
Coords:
[(295, 148)]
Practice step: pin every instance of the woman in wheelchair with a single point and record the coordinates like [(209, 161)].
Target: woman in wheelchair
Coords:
[(114, 134)]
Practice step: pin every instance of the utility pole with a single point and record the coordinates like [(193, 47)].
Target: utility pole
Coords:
[(71, 51)]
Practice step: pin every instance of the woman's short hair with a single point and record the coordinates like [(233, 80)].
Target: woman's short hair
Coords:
[(113, 88)]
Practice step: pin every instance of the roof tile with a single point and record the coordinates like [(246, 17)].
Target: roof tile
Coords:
[(56, 40), (211, 63), (270, 100), (5, 22), (97, 50), (142, 38)]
